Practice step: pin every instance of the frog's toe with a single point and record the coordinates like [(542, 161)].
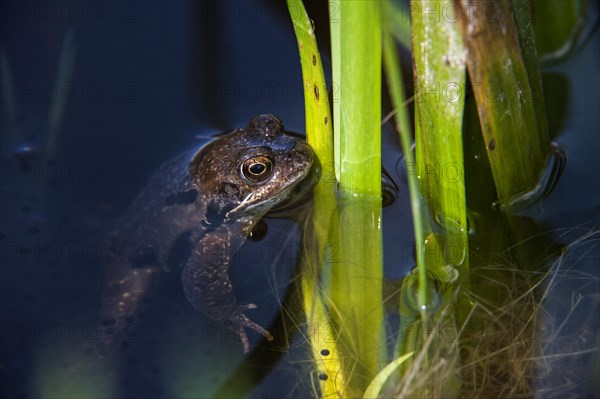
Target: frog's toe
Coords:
[(241, 322), (252, 325), (244, 339)]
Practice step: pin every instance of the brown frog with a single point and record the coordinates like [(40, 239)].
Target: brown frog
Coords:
[(218, 194)]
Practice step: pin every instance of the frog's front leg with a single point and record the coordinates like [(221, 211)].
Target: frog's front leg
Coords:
[(206, 281)]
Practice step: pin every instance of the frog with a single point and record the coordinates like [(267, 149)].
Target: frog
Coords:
[(213, 196)]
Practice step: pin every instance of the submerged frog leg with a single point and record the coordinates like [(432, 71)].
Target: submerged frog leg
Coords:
[(206, 281), (122, 299), (140, 255)]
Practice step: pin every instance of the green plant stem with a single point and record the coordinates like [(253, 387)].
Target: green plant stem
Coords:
[(396, 88), (360, 100), (503, 80), (439, 63), (335, 24), (356, 278), (325, 214)]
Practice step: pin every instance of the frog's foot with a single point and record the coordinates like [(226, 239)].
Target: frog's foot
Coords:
[(240, 321)]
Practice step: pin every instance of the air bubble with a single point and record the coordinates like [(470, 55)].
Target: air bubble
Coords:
[(26, 153), (409, 302)]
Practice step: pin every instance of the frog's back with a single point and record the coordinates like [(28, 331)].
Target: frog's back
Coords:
[(171, 178)]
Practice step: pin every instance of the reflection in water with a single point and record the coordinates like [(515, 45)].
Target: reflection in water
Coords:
[(555, 164)]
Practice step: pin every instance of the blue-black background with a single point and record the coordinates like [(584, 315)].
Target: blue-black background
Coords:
[(148, 78)]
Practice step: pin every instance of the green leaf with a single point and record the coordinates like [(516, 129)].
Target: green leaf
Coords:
[(503, 77), (375, 386)]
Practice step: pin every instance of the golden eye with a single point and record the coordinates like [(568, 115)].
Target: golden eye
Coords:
[(257, 168)]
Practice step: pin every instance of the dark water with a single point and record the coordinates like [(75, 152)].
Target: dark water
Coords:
[(131, 85), (145, 79)]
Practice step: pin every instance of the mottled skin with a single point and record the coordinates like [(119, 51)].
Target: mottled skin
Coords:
[(218, 194)]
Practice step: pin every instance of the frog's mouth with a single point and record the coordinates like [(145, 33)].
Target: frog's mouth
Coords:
[(299, 195)]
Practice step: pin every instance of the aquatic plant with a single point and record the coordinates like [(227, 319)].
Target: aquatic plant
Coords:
[(484, 302)]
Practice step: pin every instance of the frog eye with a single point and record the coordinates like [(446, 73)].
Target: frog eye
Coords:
[(257, 168)]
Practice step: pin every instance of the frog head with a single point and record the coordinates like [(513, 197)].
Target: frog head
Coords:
[(246, 173)]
